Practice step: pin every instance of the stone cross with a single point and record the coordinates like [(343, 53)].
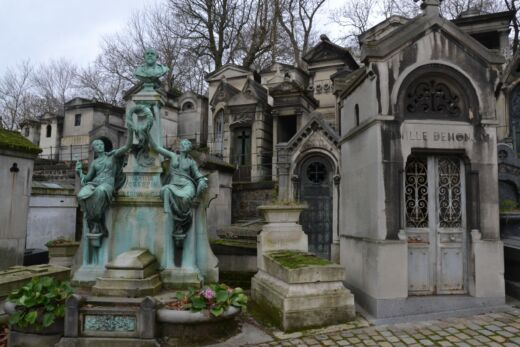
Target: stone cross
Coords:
[(243, 138)]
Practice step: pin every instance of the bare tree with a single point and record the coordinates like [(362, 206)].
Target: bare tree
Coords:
[(454, 8), (256, 38), (356, 17), (17, 102), (511, 5), (94, 82), (296, 18), (390, 8), (54, 83), (211, 27)]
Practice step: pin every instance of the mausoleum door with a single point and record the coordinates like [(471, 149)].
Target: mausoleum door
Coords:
[(242, 153), (435, 222), (316, 191)]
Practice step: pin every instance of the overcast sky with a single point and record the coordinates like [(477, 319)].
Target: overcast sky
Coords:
[(41, 30)]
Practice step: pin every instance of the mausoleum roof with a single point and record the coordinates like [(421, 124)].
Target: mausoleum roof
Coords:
[(418, 27)]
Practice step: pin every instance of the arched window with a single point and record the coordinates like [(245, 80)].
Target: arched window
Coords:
[(26, 131), (48, 131), (218, 126), (218, 133), (436, 91), (188, 106)]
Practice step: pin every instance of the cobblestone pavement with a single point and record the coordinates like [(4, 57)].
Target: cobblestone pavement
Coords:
[(494, 329)]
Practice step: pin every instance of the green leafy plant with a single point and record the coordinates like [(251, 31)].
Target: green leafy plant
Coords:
[(508, 205), (216, 298), (39, 303)]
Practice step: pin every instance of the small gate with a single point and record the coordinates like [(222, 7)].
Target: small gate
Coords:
[(316, 191)]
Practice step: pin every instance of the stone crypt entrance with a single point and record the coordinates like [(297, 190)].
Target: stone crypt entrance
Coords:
[(435, 221), (316, 190)]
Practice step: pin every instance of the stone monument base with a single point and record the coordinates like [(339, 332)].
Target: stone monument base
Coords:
[(303, 293), (106, 342), (131, 288), (109, 321), (131, 274), (181, 278)]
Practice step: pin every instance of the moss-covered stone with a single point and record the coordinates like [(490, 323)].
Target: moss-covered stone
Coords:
[(296, 259), (14, 141), (234, 243), (265, 313)]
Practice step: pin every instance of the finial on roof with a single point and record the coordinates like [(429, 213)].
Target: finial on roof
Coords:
[(430, 7), (324, 37)]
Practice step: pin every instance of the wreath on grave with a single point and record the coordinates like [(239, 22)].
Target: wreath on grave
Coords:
[(141, 111)]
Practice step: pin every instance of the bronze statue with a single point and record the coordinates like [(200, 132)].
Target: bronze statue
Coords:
[(98, 186)]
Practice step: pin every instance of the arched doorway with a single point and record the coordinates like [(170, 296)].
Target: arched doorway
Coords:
[(315, 188), (108, 144)]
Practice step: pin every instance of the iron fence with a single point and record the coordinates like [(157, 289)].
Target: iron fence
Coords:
[(215, 146)]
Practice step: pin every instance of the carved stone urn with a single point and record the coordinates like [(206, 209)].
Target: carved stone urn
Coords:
[(282, 213)]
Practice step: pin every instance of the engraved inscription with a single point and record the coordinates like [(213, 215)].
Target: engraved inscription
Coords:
[(108, 322), (442, 136)]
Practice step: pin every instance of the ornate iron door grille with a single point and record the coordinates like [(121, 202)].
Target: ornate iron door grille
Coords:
[(435, 221), (316, 191)]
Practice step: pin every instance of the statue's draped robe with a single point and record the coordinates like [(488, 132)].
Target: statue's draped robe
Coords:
[(179, 190), (96, 195)]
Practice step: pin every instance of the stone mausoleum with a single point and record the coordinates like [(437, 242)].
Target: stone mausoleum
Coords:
[(420, 223)]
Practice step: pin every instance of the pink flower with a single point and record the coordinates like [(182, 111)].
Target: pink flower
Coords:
[(208, 294)]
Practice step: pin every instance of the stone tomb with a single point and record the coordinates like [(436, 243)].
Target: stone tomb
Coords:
[(297, 289)]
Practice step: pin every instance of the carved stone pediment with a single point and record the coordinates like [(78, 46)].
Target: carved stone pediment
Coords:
[(286, 87), (242, 119), (315, 134), (318, 140), (224, 93)]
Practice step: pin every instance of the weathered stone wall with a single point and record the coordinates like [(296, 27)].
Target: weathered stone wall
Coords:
[(52, 214), (246, 197), (15, 190)]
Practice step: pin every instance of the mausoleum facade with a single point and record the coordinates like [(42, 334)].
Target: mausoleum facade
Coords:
[(419, 228)]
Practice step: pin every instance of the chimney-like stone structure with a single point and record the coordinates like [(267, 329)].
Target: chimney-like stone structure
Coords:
[(431, 8)]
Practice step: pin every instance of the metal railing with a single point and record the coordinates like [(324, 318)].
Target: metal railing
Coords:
[(245, 171)]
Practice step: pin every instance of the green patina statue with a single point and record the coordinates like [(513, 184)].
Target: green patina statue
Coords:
[(99, 185), (150, 72), (183, 183)]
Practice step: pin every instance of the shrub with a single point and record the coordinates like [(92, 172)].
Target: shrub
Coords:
[(216, 298), (508, 205), (39, 303)]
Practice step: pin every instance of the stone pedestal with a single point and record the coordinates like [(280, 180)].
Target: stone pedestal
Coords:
[(282, 230), (131, 274), (296, 289), (305, 296)]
